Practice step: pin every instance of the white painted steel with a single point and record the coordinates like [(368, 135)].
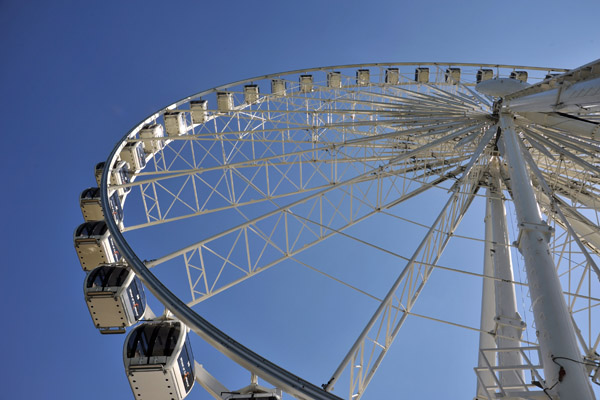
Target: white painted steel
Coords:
[(215, 388), (488, 304), (554, 325), (508, 321), (318, 158), (575, 97)]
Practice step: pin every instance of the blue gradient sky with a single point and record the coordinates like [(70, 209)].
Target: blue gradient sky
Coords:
[(74, 77)]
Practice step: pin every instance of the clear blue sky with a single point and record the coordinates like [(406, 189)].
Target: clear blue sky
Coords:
[(74, 77)]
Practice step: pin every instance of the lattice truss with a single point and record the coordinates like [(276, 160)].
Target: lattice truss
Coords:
[(314, 164), (299, 168)]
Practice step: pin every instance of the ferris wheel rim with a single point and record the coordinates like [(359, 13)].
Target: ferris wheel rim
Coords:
[(341, 66), (217, 338)]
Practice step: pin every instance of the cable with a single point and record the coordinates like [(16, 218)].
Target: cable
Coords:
[(592, 364)]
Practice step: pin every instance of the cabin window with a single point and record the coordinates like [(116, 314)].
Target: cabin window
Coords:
[(83, 230), (138, 343), (137, 298), (117, 277), (97, 277), (113, 248), (115, 206), (153, 341), (124, 175), (186, 367), (165, 340), (140, 153), (107, 277), (98, 229)]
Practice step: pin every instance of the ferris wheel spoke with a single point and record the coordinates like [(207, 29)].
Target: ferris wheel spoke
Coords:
[(284, 233), (483, 99), (315, 152), (209, 197), (456, 98), (584, 149), (236, 187), (436, 96), (385, 323), (564, 152), (441, 101), (573, 187), (438, 142), (318, 234), (568, 134)]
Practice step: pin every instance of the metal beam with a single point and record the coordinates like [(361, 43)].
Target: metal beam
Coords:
[(567, 379)]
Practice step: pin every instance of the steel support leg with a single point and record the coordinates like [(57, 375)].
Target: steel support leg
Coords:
[(488, 309), (509, 325), (566, 375)]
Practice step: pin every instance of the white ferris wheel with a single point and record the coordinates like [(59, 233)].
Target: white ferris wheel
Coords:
[(374, 179)]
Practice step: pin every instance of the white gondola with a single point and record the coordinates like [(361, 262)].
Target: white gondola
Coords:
[(484, 74), (224, 101), (550, 76), (199, 111), (158, 360), (119, 176), (392, 76), (363, 77), (133, 154), (422, 75), (94, 245), (519, 75), (115, 297), (250, 94), (150, 132), (306, 83), (91, 207), (452, 75), (278, 87), (334, 80), (175, 123)]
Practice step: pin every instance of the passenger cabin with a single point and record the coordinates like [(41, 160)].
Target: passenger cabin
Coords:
[(250, 94), (363, 77), (199, 111), (334, 80), (519, 75), (94, 245), (115, 297), (452, 75), (278, 87), (551, 75), (175, 123), (133, 154), (119, 176), (392, 76), (158, 360), (422, 74), (224, 101), (91, 206), (484, 74), (152, 131), (306, 83)]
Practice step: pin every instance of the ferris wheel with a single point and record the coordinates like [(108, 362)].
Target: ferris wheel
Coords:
[(374, 178)]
